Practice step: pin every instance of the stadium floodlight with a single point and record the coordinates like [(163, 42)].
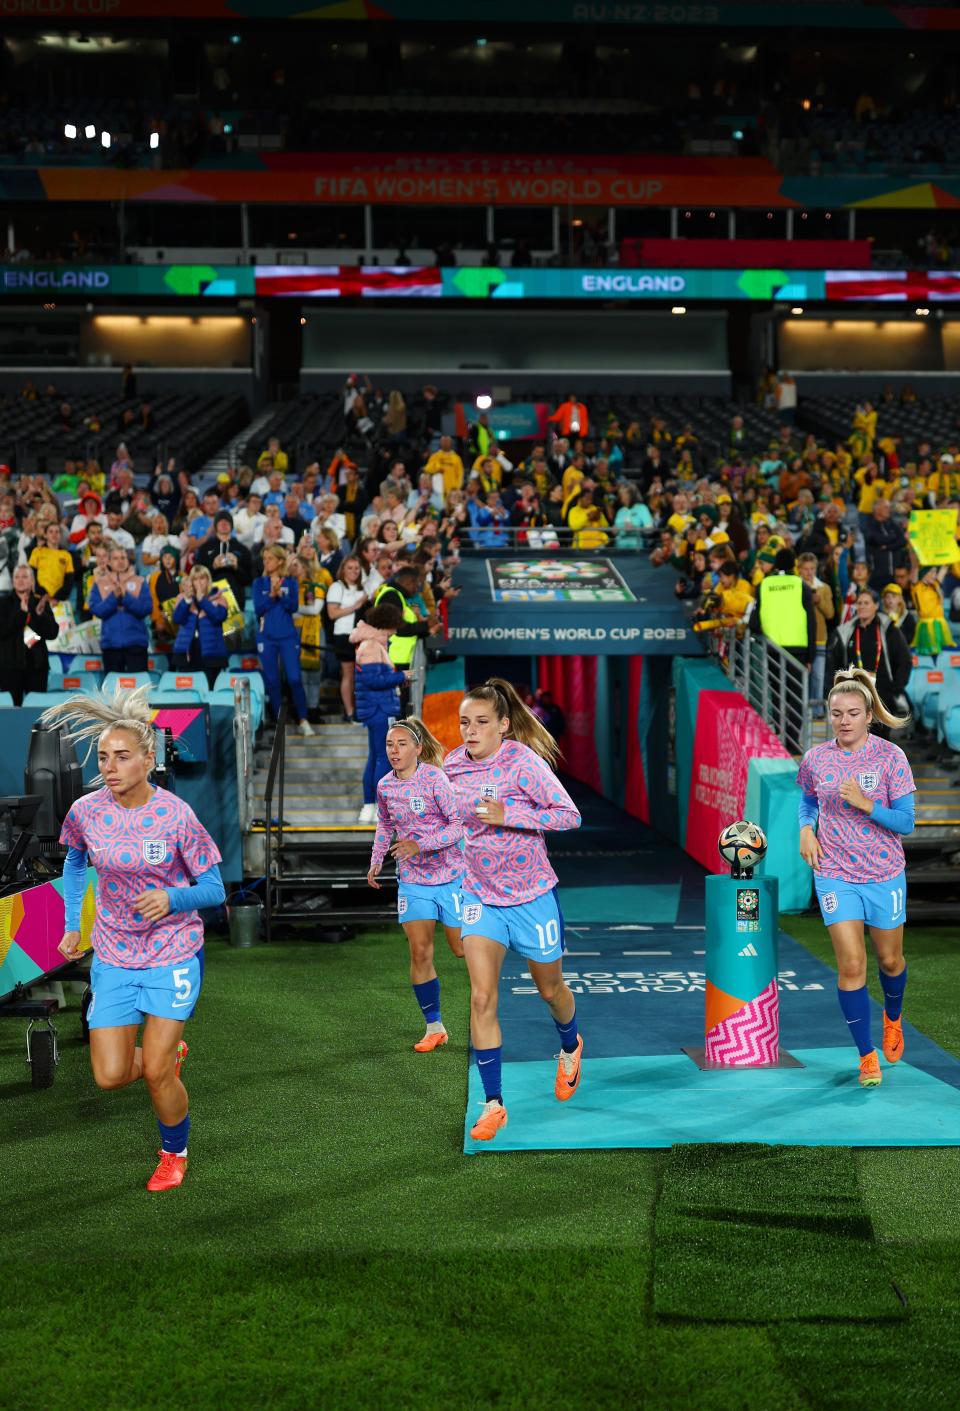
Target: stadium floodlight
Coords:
[(104, 139), (679, 309), (89, 130), (154, 140), (798, 311), (70, 130), (484, 402), (922, 313), (738, 134)]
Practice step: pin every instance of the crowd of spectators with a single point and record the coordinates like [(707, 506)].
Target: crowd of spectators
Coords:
[(167, 566)]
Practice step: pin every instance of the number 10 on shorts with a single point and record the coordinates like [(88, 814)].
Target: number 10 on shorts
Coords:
[(548, 935)]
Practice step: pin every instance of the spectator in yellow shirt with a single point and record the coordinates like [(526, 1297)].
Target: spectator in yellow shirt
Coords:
[(944, 482), (588, 522), (736, 594), (53, 566), (278, 459), (447, 463)]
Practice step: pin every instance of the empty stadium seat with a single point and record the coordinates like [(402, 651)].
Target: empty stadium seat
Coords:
[(5, 699), (80, 681), (84, 663), (185, 681), (127, 679), (223, 694), (42, 699), (225, 680), (184, 697), (244, 661)]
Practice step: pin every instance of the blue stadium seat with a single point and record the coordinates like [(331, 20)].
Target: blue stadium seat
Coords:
[(918, 685), (84, 663), (185, 681), (161, 697), (5, 699), (127, 679), (225, 680), (42, 699), (949, 693), (56, 668), (223, 694), (87, 681), (951, 728), (244, 661)]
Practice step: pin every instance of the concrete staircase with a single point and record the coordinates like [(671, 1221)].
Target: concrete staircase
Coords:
[(223, 459), (323, 784)]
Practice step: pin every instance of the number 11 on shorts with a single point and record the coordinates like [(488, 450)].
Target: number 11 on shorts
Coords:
[(896, 898)]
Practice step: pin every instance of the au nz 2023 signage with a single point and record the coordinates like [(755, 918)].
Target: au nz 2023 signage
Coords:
[(556, 581)]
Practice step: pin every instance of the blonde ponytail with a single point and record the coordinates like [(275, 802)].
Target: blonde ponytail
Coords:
[(91, 717), (431, 750), (524, 725), (855, 681)]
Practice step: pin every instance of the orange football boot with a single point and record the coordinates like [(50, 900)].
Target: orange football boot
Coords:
[(568, 1078), (431, 1041), (870, 1075), (488, 1124), (892, 1039), (170, 1172)]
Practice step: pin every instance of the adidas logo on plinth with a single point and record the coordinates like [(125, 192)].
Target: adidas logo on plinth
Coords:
[(749, 949)]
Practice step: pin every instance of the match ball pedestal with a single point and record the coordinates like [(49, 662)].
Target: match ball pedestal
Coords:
[(742, 1022)]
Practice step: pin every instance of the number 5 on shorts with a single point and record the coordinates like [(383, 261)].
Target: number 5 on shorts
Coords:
[(182, 987)]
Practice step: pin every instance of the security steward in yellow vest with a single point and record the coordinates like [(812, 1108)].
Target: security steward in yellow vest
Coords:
[(786, 609), (403, 643)]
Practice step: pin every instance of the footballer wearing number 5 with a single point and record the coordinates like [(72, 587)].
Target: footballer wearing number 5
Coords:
[(155, 865), (857, 801), (508, 797)]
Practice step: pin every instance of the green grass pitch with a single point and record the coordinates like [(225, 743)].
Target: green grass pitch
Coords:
[(333, 1248)]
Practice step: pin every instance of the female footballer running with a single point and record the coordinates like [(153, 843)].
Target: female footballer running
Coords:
[(857, 802), (508, 796), (155, 865), (415, 804)]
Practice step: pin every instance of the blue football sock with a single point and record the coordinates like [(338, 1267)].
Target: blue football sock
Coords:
[(174, 1138), (428, 998), (568, 1033), (893, 987), (856, 1010), (488, 1061)]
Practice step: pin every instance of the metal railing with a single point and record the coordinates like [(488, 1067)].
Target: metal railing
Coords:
[(774, 683), (275, 772), (511, 536), (243, 750), (418, 679)]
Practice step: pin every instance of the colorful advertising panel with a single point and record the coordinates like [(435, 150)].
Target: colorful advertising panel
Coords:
[(556, 581), (644, 615), (152, 281)]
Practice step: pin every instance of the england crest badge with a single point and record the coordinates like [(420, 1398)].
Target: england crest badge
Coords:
[(154, 850), (868, 780), (472, 913), (417, 804), (488, 791)]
